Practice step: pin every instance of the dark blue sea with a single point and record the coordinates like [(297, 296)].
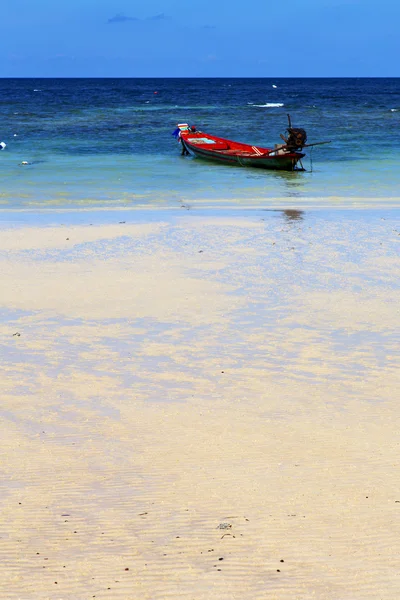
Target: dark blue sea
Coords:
[(108, 142)]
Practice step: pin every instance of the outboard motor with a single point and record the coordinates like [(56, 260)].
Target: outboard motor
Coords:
[(297, 138)]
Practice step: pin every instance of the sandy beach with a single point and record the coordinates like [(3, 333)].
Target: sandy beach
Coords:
[(201, 407)]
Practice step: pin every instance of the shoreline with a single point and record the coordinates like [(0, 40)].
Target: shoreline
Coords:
[(284, 203), (102, 216)]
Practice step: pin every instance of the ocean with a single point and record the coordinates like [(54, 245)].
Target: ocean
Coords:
[(107, 143)]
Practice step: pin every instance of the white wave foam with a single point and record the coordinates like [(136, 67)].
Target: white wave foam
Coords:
[(270, 105), (394, 110)]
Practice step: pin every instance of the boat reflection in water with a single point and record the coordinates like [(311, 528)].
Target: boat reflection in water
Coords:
[(293, 215)]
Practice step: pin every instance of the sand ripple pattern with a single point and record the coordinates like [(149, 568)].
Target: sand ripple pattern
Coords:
[(201, 408)]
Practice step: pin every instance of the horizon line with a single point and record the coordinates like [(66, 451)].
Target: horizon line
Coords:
[(202, 77)]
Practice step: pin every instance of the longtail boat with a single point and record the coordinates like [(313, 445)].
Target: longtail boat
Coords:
[(284, 156)]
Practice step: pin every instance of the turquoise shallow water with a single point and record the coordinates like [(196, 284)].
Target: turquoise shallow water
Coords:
[(108, 143)]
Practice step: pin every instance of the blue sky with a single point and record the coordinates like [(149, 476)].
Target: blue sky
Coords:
[(199, 38)]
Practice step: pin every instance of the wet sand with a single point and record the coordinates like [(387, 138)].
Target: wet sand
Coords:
[(201, 407)]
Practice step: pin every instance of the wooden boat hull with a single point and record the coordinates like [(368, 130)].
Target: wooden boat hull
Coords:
[(283, 163), (208, 147)]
